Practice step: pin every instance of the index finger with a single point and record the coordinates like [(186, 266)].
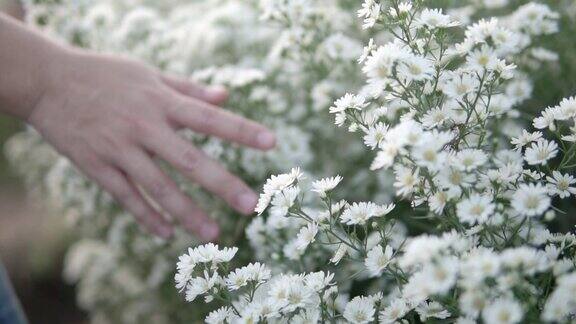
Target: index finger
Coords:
[(208, 119)]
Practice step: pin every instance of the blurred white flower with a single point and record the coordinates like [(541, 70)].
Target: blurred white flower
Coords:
[(531, 200), (378, 259), (325, 185), (359, 310), (503, 311)]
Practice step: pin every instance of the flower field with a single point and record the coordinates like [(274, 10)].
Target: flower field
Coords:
[(424, 172)]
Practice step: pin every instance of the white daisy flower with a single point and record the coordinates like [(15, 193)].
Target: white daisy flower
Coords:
[(359, 310), (406, 180), (367, 51), (318, 281), (460, 85), (339, 254), (393, 312), (274, 184), (325, 185), (211, 253), (291, 250), (370, 11), (434, 18), (436, 117), (470, 159), (219, 316), (525, 138), (428, 153), (403, 7), (475, 210), (482, 59), (378, 259), (560, 184), (572, 136), (530, 200), (283, 201), (472, 302), (387, 154), (237, 279), (454, 180), (416, 68), (480, 264), (441, 275), (348, 101), (375, 135), (360, 213), (546, 119), (438, 201), (540, 152), (566, 109), (503, 311), (200, 285), (306, 236), (378, 66), (428, 310)]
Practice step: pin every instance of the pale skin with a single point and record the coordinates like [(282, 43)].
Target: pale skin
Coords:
[(114, 118)]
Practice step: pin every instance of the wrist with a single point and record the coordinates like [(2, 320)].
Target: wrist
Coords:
[(26, 62), (49, 77)]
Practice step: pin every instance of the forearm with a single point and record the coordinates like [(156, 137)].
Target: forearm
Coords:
[(25, 59), (12, 8)]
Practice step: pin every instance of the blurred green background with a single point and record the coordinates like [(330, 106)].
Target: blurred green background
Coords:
[(32, 246), (32, 240)]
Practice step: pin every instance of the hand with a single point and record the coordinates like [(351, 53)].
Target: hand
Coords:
[(111, 116)]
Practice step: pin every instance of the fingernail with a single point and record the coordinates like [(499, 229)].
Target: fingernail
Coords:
[(165, 232), (247, 201), (219, 89), (266, 139), (217, 92), (209, 232)]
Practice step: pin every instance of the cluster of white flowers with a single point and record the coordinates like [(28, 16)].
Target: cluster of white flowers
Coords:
[(250, 292), (472, 273), (221, 42), (443, 117), (441, 209)]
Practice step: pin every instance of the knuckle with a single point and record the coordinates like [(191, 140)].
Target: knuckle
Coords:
[(125, 197), (87, 161), (160, 189), (187, 88), (175, 105), (180, 206), (142, 215), (111, 142), (193, 219), (246, 132), (190, 160), (236, 187), (145, 218), (233, 187), (208, 120), (138, 126), (241, 127), (153, 95)]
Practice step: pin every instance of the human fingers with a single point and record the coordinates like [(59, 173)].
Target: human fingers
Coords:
[(142, 170), (215, 95), (205, 118), (200, 168)]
